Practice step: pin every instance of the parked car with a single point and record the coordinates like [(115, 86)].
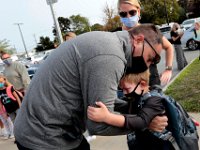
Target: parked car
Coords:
[(189, 22), (37, 58), (187, 39), (32, 70)]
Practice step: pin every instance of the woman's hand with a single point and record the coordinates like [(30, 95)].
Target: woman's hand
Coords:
[(158, 123), (99, 113), (165, 77)]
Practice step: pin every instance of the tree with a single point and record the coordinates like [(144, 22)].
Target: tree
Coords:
[(156, 13), (44, 44), (97, 27), (79, 24), (64, 24), (5, 47), (111, 19)]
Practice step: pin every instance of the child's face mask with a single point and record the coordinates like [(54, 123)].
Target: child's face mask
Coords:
[(133, 94), (1, 85)]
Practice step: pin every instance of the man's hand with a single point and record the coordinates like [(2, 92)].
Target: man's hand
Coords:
[(158, 123), (166, 76)]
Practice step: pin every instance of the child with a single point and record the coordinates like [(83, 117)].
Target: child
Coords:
[(9, 104), (6, 123), (134, 87)]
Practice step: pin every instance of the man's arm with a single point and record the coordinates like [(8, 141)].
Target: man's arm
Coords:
[(169, 50), (103, 78), (139, 121)]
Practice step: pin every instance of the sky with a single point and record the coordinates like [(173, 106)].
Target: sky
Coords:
[(37, 20)]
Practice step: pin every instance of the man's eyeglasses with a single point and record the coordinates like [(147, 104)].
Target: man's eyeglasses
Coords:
[(157, 57), (123, 14)]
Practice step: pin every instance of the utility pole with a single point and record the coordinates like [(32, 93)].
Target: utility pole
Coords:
[(167, 18), (34, 36), (18, 24), (59, 34)]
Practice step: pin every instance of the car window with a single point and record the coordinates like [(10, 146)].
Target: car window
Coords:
[(165, 29), (188, 22)]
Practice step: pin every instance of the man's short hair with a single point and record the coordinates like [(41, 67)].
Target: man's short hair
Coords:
[(150, 32)]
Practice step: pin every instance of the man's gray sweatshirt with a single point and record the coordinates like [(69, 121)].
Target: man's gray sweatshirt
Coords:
[(78, 73)]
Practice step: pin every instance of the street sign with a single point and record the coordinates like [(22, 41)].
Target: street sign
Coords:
[(51, 1)]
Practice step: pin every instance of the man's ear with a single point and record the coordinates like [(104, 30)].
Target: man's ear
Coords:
[(138, 38)]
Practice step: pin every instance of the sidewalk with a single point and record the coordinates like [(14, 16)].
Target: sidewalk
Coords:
[(101, 142)]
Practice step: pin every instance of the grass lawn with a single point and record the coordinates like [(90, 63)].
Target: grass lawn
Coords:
[(186, 87)]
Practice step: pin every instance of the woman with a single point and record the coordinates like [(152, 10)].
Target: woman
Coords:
[(197, 33), (129, 11), (176, 40)]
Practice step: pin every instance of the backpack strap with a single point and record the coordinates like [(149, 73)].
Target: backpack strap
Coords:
[(9, 92)]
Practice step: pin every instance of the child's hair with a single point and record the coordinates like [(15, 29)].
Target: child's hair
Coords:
[(136, 78), (6, 81)]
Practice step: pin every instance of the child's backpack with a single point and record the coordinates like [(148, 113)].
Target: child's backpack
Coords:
[(181, 131), (11, 104), (9, 93)]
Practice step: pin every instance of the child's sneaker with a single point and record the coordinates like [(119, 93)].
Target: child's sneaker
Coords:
[(91, 138), (11, 136), (3, 132)]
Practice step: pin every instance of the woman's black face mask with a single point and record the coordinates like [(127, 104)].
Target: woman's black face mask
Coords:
[(138, 64), (133, 94)]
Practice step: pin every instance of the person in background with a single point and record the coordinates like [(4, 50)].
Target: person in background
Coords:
[(197, 33), (6, 123), (69, 35), (10, 102), (176, 35), (129, 12), (16, 73), (87, 68)]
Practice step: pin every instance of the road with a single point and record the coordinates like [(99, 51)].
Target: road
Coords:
[(117, 142)]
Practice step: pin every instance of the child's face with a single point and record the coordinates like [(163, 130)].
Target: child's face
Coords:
[(128, 87), (2, 82)]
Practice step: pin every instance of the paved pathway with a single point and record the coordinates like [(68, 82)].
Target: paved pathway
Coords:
[(115, 142)]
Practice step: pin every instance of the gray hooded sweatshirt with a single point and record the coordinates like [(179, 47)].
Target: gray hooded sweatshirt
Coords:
[(79, 72)]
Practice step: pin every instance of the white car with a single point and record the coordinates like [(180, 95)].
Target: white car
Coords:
[(37, 58), (189, 22), (187, 39)]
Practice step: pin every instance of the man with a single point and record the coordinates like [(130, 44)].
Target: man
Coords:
[(16, 73), (83, 70)]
